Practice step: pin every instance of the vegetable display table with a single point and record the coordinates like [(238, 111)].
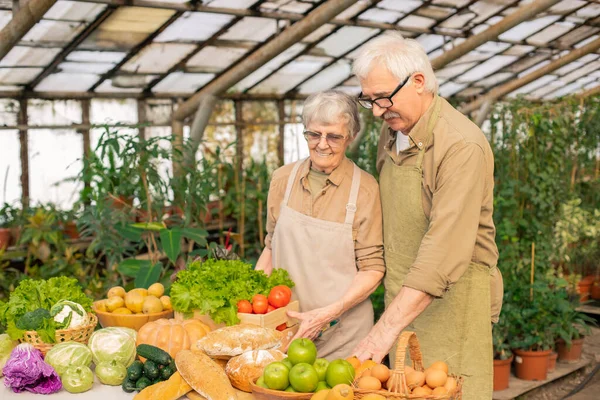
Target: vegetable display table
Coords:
[(97, 392)]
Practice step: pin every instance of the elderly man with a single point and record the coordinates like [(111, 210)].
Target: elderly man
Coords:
[(436, 184)]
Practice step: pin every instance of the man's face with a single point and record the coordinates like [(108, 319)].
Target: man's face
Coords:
[(406, 109)]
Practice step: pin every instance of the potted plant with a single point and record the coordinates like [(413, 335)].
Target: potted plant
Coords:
[(570, 327), (6, 224), (503, 355)]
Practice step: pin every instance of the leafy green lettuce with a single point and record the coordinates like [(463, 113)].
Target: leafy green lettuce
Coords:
[(215, 286), (31, 295)]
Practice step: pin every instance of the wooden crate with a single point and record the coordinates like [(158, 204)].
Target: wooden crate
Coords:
[(269, 320)]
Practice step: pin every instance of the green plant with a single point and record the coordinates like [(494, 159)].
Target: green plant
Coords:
[(10, 216), (568, 323)]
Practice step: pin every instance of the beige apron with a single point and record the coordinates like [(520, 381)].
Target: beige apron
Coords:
[(319, 256), (455, 328)]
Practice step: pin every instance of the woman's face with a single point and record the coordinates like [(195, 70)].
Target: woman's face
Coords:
[(327, 154)]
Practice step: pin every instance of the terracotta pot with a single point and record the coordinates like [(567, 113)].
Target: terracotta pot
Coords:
[(5, 235), (120, 202), (595, 291), (502, 373), (552, 361), (531, 365), (584, 287), (15, 235), (569, 355), (207, 216), (70, 230)]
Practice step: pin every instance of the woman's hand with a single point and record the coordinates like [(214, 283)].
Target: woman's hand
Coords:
[(312, 322), (264, 262)]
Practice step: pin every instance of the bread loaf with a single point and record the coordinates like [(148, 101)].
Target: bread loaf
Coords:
[(171, 389), (204, 375), (249, 366), (234, 340)]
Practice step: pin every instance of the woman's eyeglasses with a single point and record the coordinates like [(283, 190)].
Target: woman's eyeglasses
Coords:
[(333, 140)]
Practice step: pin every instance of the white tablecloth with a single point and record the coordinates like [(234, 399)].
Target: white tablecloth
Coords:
[(97, 392)]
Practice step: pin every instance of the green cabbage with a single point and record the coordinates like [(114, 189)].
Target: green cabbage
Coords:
[(6, 346), (114, 343), (67, 354)]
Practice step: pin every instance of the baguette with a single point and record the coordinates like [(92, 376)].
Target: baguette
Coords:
[(171, 389), (249, 366), (204, 375), (234, 340)]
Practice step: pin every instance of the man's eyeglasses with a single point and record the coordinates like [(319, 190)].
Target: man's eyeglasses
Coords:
[(382, 102), (333, 140)]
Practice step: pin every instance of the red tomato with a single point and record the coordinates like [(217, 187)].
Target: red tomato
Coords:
[(270, 308), (280, 296), (244, 306), (282, 327), (260, 304)]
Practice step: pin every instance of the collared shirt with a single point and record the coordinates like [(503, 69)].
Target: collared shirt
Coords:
[(457, 196), (330, 205)]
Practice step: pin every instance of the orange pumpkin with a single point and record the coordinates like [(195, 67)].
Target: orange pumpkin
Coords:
[(171, 335)]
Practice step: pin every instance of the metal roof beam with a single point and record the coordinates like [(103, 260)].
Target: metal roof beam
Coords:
[(512, 20), (500, 91), (27, 16), (265, 53)]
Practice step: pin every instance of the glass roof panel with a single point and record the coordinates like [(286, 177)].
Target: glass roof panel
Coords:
[(91, 68), (485, 9), (288, 77), (11, 88), (353, 10), (126, 28), (530, 87), (287, 6), (470, 92), (416, 22), (107, 87), (454, 70), (269, 67), (251, 28), (527, 62), (124, 110), (549, 87), (495, 79), (29, 57), (404, 6), (534, 68), (450, 88), (331, 75), (181, 82), (319, 33), (158, 57), (18, 76), (486, 68), (5, 17), (346, 39), (565, 90), (527, 28), (576, 35), (589, 11), (586, 41), (96, 56), (550, 33), (215, 59), (568, 68), (9, 111), (242, 4), (588, 57), (430, 42), (159, 111), (459, 20), (492, 47), (59, 81), (194, 26), (519, 50), (566, 6), (437, 13), (585, 70), (74, 11), (53, 31), (134, 81), (380, 15), (452, 3)]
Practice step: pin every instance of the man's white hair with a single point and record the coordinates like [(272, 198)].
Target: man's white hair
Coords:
[(402, 57)]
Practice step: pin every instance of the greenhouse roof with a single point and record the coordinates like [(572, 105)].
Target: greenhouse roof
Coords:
[(173, 48)]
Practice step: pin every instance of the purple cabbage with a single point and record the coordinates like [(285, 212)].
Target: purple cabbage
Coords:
[(26, 370)]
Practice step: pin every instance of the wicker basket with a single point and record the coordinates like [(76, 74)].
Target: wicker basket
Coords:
[(398, 389), (261, 393), (80, 335)]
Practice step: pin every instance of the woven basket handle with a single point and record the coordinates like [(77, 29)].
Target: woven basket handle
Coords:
[(408, 339)]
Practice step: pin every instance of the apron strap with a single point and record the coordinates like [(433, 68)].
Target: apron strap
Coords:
[(352, 199), (437, 105), (291, 179)]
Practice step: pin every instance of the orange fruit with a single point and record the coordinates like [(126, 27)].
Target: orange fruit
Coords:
[(439, 365), (354, 361), (380, 372), (368, 364)]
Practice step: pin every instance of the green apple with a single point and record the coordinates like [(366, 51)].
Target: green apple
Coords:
[(290, 389), (287, 362), (321, 365), (339, 371), (261, 382), (277, 376), (322, 385), (304, 378), (302, 351)]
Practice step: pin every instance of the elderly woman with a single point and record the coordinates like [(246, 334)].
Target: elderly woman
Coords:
[(324, 227)]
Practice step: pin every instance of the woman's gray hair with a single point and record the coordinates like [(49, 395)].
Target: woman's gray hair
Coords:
[(402, 57), (331, 107)]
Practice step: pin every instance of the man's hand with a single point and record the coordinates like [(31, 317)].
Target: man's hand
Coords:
[(376, 345), (312, 322)]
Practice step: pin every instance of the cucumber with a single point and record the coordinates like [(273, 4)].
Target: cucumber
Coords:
[(166, 373), (152, 353), (151, 370), (128, 386), (134, 372), (142, 383)]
